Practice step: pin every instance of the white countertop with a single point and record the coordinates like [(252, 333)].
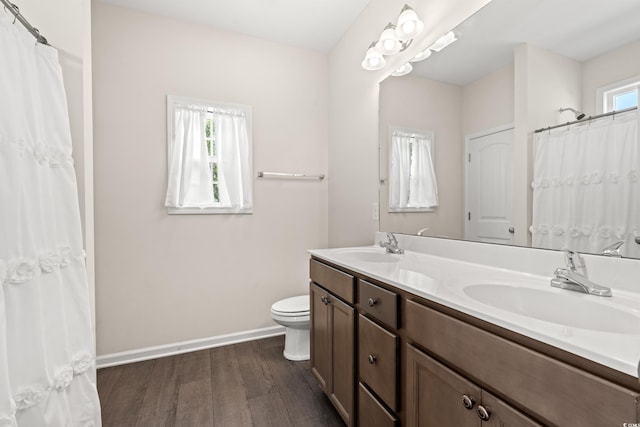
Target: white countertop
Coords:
[(448, 282)]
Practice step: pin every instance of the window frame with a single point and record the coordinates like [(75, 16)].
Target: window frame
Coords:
[(431, 136), (605, 94), (214, 210)]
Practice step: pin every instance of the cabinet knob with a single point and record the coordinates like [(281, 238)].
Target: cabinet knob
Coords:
[(325, 300), (372, 302), (372, 359), (512, 230), (468, 401), (484, 413)]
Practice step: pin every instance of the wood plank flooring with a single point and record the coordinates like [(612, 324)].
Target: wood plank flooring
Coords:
[(246, 384)]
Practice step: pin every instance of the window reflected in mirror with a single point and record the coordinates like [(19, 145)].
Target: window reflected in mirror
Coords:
[(412, 178)]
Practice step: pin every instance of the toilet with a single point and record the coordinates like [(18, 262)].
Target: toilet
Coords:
[(293, 314)]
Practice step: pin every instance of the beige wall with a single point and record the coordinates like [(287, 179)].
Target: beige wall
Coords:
[(163, 279), (429, 105), (617, 65), (353, 107), (488, 102)]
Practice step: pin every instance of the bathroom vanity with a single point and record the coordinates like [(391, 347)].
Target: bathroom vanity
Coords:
[(410, 340)]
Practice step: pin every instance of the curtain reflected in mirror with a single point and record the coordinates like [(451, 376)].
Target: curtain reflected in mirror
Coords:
[(412, 178)]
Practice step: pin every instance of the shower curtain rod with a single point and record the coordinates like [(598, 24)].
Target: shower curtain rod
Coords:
[(597, 116), (15, 11)]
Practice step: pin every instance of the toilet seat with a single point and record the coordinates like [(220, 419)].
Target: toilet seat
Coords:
[(292, 307)]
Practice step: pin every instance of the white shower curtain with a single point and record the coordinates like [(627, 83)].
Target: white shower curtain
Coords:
[(586, 194), (47, 364)]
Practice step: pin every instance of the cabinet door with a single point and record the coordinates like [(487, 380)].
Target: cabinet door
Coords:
[(503, 415), (341, 387), (320, 336), (435, 394)]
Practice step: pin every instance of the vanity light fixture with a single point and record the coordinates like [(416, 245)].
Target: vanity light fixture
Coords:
[(388, 44), (409, 25), (444, 41), (421, 56), (373, 60), (402, 70), (393, 39)]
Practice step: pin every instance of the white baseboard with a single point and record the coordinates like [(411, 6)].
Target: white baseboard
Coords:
[(139, 355)]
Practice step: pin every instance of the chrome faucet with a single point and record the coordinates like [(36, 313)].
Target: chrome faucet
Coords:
[(613, 250), (421, 231), (392, 245), (574, 276)]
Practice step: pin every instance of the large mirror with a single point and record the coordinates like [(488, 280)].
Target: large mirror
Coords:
[(519, 66)]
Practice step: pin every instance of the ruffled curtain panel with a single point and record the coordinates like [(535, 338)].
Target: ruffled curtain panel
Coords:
[(412, 177), (586, 194), (190, 182), (47, 363)]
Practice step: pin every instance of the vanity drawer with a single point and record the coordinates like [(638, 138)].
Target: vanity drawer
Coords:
[(371, 413), (556, 392), (378, 360), (335, 281), (379, 302)]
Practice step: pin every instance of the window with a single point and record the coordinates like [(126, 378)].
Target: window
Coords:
[(620, 95), (412, 177), (209, 157)]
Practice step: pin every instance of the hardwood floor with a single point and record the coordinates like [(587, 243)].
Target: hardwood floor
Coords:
[(247, 384)]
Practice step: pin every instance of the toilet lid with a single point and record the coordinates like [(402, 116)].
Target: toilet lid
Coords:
[(299, 304)]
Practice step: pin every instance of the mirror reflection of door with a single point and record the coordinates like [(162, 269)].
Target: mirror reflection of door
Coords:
[(489, 198)]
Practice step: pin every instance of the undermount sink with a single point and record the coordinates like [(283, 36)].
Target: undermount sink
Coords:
[(578, 311), (377, 255)]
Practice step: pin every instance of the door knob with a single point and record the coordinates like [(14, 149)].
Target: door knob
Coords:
[(468, 401), (512, 230), (484, 413)]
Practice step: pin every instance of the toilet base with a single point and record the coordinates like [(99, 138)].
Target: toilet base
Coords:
[(296, 344)]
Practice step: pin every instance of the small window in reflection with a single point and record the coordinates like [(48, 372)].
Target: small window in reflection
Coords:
[(412, 178), (620, 96)]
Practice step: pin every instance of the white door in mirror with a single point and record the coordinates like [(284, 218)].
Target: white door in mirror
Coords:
[(489, 189)]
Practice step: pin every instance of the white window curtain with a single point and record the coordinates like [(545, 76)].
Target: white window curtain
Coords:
[(586, 194), (412, 178), (190, 180), (47, 363), (234, 167), (190, 183)]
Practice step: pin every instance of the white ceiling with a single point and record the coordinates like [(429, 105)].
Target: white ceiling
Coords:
[(578, 29), (309, 24)]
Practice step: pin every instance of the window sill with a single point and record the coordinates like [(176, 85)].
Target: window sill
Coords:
[(399, 210), (208, 211)]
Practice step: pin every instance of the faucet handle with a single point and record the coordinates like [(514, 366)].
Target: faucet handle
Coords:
[(392, 239), (575, 261), (613, 250)]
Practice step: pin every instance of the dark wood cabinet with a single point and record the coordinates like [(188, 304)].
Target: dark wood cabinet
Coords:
[(387, 357), (332, 334), (439, 397), (371, 413), (378, 360)]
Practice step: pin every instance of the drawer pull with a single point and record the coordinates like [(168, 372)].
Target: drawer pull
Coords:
[(468, 402), (372, 302), (484, 413), (372, 359), (325, 300)]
